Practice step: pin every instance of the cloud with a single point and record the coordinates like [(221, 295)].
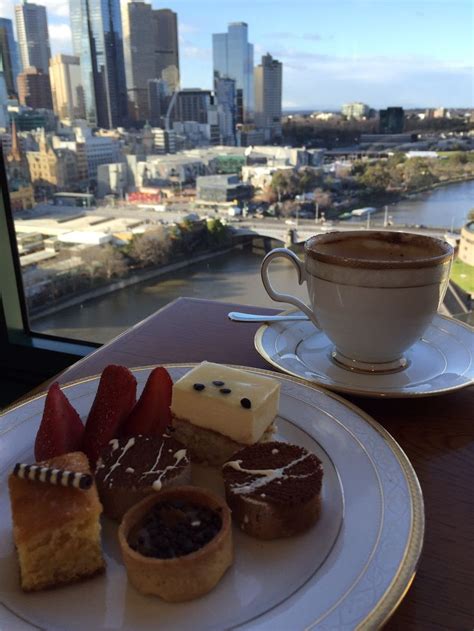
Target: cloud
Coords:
[(60, 33), (312, 37), (60, 37), (279, 35), (195, 52), (315, 37), (6, 9), (326, 81), (185, 28)]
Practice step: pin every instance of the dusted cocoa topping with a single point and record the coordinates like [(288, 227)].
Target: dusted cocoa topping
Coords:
[(175, 528), (140, 461), (275, 473)]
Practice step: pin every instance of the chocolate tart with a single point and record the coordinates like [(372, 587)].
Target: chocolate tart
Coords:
[(273, 489), (187, 575)]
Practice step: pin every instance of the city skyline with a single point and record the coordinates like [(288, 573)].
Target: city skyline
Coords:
[(377, 53)]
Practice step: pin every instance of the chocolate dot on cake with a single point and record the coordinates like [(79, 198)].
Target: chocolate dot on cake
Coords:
[(218, 383), (276, 486), (199, 386), (246, 403), (225, 390)]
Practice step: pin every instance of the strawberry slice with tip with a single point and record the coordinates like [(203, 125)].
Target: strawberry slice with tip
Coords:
[(115, 398), (151, 415), (61, 428)]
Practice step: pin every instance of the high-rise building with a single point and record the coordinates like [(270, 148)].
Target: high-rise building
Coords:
[(66, 87), (226, 101), (164, 141), (233, 59), (159, 97), (356, 110), (34, 89), (268, 91), (33, 36), (9, 58), (97, 40), (150, 39), (3, 102), (139, 53), (391, 120), (165, 24), (192, 104)]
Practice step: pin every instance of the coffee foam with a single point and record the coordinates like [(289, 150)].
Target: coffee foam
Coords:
[(385, 248)]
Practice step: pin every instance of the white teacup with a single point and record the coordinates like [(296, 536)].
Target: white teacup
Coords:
[(372, 293)]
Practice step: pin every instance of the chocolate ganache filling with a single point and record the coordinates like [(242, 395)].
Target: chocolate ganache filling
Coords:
[(175, 528)]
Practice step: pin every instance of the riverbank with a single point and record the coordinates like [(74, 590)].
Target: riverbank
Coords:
[(133, 279), (391, 198)]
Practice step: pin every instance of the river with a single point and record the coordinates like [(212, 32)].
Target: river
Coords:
[(443, 207), (231, 277)]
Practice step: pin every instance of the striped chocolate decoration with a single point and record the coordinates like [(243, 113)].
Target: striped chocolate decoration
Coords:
[(59, 477)]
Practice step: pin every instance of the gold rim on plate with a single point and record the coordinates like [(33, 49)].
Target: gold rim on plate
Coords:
[(406, 570)]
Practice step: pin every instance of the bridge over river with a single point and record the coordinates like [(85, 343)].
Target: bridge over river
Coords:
[(299, 232)]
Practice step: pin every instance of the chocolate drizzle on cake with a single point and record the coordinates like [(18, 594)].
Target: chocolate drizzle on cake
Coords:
[(279, 472), (141, 461)]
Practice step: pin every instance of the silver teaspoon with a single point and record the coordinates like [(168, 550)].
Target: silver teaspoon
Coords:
[(236, 316)]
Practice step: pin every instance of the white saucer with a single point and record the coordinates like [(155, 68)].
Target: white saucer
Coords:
[(441, 361)]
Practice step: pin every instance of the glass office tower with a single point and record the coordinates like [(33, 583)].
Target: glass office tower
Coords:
[(233, 59), (167, 49), (97, 40), (33, 36), (9, 57)]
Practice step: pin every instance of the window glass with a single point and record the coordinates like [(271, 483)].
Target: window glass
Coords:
[(155, 153)]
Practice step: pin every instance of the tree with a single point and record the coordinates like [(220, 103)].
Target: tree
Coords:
[(217, 231), (470, 215), (417, 174), (279, 183), (267, 195), (323, 198), (103, 261), (375, 177), (151, 247), (307, 180)]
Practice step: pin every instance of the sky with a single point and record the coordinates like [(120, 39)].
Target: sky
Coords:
[(413, 53)]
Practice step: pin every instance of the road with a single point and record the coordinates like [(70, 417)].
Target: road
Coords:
[(269, 226)]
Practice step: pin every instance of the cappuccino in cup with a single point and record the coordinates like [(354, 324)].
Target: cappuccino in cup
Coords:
[(372, 293)]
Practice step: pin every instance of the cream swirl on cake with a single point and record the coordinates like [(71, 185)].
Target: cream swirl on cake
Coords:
[(130, 469)]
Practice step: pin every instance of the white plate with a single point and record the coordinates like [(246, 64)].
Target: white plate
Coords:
[(352, 568), (442, 361)]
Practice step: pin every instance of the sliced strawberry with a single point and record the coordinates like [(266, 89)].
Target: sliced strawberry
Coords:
[(115, 398), (61, 428), (151, 415)]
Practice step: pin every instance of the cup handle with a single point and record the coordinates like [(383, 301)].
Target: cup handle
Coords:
[(274, 295)]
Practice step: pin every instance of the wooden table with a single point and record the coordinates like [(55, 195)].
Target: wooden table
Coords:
[(436, 433)]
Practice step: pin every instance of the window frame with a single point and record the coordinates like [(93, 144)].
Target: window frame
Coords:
[(27, 354)]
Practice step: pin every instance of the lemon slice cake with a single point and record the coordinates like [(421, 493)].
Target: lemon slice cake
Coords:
[(217, 410)]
